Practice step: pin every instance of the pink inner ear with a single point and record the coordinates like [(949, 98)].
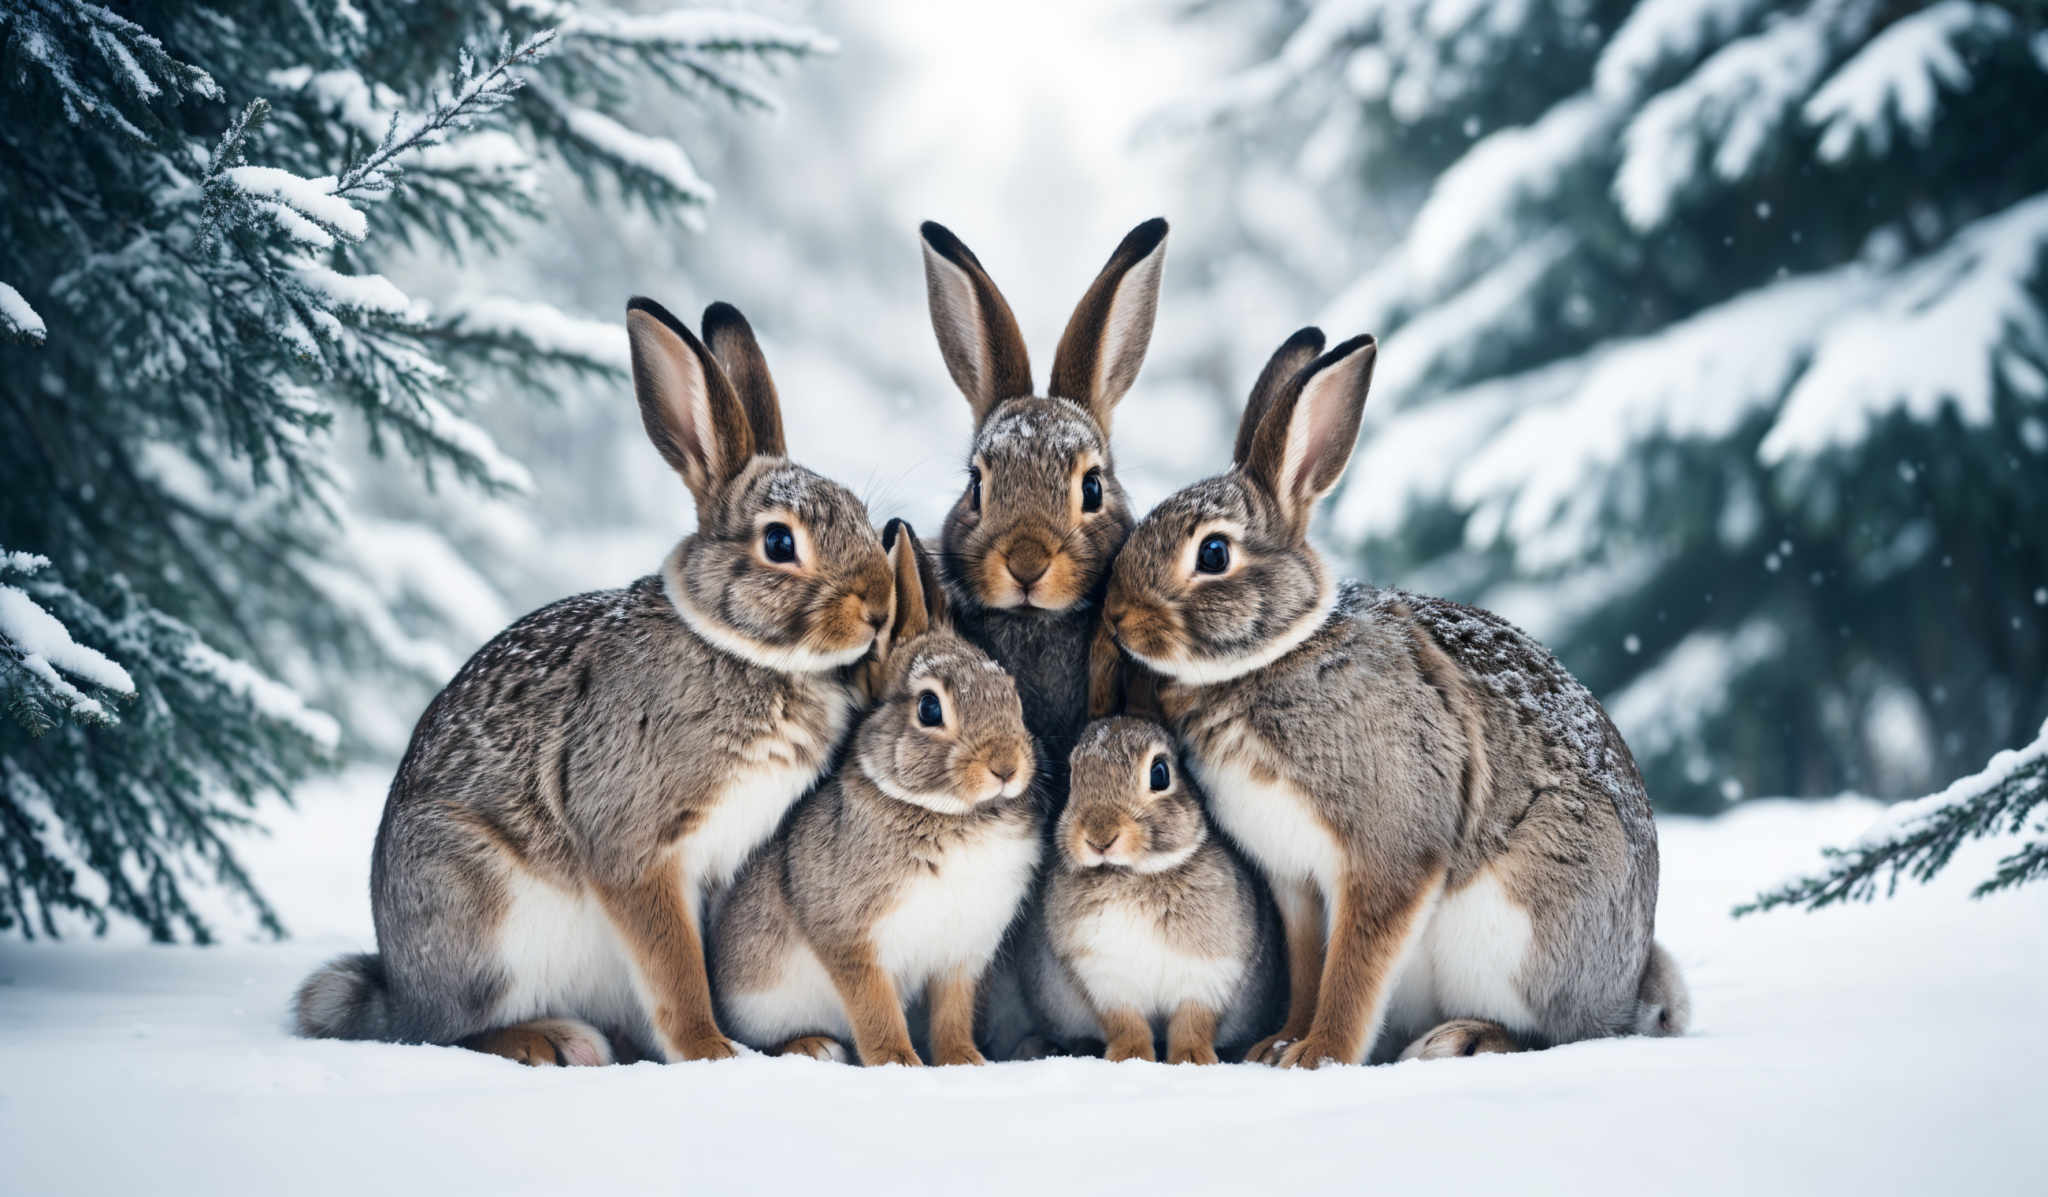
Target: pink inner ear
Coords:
[(1318, 416)]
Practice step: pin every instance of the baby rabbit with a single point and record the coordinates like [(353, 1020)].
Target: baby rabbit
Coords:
[(1456, 835), (1026, 549), (1148, 918), (903, 871), (573, 794)]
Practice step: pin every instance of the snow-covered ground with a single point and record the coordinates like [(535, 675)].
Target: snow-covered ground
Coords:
[(1893, 1048)]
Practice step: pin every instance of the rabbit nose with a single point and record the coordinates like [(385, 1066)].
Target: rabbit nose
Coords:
[(1101, 845), (1028, 562)]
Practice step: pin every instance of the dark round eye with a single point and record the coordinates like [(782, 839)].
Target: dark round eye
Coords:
[(1214, 555), (930, 713), (779, 543), (974, 487), (1091, 491), (1161, 778)]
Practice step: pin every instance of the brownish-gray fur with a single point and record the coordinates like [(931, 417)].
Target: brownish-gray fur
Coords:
[(1209, 905), (1430, 741), (580, 749)]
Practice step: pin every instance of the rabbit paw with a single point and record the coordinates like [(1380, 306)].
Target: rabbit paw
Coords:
[(546, 1043), (949, 1057), (1461, 1037), (1267, 1050), (1313, 1051), (817, 1047), (711, 1046), (904, 1055)]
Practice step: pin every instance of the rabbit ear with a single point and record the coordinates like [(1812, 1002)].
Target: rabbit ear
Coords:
[(686, 402), (1305, 438), (1106, 337), (1290, 359), (920, 601), (731, 340), (978, 336)]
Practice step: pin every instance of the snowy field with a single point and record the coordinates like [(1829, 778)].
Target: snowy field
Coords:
[(1896, 1048)]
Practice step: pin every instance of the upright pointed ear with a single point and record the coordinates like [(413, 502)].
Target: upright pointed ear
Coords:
[(686, 402), (920, 601), (1305, 439), (1106, 337), (978, 336), (1294, 354), (731, 340)]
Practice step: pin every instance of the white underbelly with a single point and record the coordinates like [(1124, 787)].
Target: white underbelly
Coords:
[(1467, 963), (957, 915), (1122, 960), (802, 1001), (562, 958)]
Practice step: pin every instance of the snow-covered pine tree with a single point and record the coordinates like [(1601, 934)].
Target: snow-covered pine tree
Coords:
[(1917, 839), (1715, 349), (194, 204)]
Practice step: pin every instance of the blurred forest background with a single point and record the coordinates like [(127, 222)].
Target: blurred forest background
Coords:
[(1715, 346)]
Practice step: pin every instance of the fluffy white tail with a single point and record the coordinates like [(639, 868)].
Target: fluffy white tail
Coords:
[(1665, 1003)]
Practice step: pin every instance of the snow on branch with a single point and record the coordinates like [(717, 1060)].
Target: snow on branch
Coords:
[(1474, 205), (18, 320), (1948, 331), (271, 699), (1897, 78), (515, 331), (478, 89), (1745, 351), (36, 644), (1917, 839), (1724, 115), (644, 164), (1658, 35)]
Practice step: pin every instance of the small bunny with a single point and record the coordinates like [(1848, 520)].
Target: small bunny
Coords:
[(1456, 836), (1148, 918), (595, 771), (904, 870)]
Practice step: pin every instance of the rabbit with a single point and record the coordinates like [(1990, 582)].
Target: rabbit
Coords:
[(1026, 549), (1150, 920), (599, 768), (1458, 840), (902, 872)]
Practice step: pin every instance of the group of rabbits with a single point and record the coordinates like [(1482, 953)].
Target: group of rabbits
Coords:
[(815, 788)]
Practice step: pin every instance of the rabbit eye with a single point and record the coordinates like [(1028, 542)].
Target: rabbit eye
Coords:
[(1214, 555), (974, 487), (778, 543), (930, 713), (1091, 491), (1161, 777)]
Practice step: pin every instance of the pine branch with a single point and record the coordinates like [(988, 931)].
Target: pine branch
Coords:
[(1918, 839)]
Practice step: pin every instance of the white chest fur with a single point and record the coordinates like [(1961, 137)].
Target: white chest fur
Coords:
[(1272, 820), (958, 914), (1122, 958), (772, 775)]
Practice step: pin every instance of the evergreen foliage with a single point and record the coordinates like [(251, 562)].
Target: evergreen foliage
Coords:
[(1715, 350), (1917, 839), (195, 203)]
